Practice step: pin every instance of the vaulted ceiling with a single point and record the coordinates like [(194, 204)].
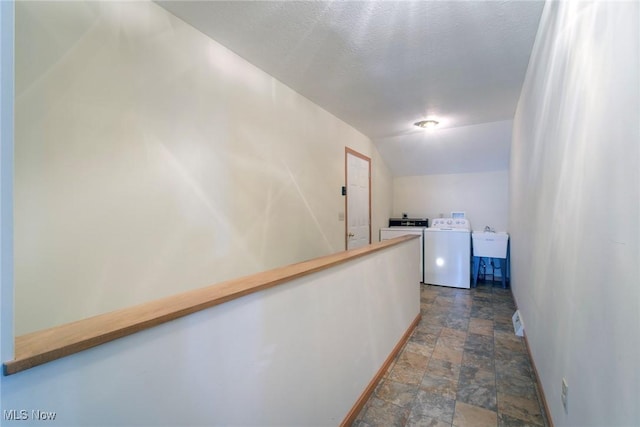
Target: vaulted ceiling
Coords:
[(380, 66)]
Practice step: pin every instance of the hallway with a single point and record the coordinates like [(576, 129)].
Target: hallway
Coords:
[(463, 366)]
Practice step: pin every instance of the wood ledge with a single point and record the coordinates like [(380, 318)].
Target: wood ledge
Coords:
[(43, 346)]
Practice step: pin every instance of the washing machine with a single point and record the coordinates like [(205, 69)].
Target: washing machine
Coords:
[(447, 253)]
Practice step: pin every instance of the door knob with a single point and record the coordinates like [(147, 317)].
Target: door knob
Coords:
[(351, 235)]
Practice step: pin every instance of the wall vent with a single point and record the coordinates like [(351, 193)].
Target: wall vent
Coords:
[(518, 326)]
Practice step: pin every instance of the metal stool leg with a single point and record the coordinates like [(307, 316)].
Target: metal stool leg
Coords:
[(503, 272)]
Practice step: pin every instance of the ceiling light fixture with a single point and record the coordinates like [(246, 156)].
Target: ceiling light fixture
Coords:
[(427, 124)]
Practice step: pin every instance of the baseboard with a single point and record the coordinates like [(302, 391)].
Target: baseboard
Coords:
[(538, 382), (364, 397)]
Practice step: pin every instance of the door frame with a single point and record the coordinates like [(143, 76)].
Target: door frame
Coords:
[(348, 151)]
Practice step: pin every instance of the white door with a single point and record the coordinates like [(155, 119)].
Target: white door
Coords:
[(358, 215)]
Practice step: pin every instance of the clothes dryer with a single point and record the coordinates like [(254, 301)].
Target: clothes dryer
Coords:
[(393, 232)]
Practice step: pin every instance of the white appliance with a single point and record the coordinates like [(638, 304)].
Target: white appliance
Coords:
[(447, 253), (393, 232)]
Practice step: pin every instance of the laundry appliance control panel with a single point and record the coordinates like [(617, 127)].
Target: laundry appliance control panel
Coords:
[(456, 223)]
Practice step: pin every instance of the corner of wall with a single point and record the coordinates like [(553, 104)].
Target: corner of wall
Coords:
[(6, 178)]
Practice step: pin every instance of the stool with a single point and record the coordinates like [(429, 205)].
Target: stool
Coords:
[(502, 265)]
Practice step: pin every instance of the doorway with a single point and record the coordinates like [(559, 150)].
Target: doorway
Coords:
[(358, 199)]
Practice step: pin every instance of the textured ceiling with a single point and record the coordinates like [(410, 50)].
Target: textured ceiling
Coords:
[(383, 65)]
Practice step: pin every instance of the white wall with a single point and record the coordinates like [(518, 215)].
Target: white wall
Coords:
[(483, 196), (151, 160), (299, 354), (6, 181), (382, 199), (574, 210)]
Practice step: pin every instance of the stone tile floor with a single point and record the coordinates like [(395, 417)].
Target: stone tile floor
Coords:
[(463, 366)]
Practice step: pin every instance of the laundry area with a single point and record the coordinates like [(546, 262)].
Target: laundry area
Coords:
[(462, 221)]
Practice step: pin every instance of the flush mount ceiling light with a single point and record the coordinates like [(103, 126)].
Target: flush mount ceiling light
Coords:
[(426, 124)]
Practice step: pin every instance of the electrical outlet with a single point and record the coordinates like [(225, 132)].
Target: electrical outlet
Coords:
[(565, 392)]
